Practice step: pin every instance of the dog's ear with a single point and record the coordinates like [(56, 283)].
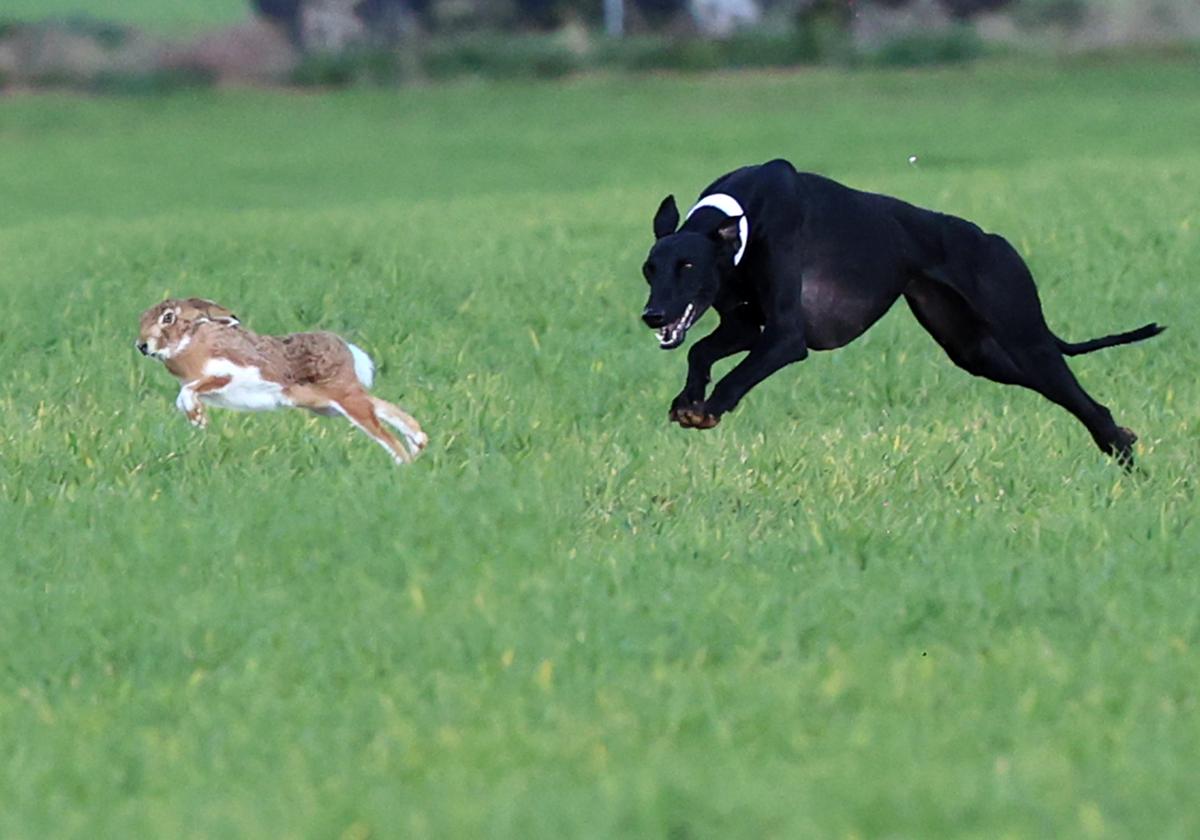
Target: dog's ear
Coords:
[(729, 232), (667, 218)]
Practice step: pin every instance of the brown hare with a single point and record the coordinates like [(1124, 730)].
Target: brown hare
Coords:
[(221, 363)]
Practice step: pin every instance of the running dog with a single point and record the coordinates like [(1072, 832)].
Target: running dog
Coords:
[(794, 262)]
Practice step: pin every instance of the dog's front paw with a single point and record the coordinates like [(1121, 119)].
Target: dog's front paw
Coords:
[(693, 416), (700, 420), (197, 418)]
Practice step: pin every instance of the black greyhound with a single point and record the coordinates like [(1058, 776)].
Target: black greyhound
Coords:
[(793, 261)]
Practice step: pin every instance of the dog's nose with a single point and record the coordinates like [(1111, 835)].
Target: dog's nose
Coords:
[(143, 347), (654, 318)]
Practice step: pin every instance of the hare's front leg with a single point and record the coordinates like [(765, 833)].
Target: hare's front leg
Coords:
[(188, 400)]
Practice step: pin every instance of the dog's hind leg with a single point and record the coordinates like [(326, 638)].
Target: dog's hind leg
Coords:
[(1049, 375), (966, 337), (1037, 364)]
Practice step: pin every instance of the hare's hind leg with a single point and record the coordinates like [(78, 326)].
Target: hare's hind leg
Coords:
[(401, 420), (359, 410)]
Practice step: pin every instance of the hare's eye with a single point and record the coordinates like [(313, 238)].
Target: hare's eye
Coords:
[(168, 318)]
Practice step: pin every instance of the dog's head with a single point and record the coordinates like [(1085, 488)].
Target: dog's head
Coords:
[(167, 328), (684, 271)]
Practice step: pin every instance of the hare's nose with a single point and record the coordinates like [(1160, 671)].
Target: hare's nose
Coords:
[(143, 347)]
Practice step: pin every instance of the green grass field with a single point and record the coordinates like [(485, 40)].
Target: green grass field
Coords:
[(163, 16), (882, 599)]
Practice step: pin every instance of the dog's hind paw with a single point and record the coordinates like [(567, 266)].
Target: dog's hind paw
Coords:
[(1122, 447)]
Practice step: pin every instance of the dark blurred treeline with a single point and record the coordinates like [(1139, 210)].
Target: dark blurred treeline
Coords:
[(323, 23), (333, 43)]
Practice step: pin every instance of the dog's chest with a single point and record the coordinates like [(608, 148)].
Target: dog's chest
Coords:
[(246, 391)]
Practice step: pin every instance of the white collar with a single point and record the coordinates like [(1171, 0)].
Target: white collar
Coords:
[(728, 205)]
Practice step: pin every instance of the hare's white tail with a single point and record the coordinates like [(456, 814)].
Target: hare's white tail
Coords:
[(402, 422), (364, 368)]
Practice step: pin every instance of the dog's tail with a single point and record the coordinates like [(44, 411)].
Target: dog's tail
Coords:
[(1140, 334)]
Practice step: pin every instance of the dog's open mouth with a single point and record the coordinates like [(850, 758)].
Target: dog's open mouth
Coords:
[(672, 335)]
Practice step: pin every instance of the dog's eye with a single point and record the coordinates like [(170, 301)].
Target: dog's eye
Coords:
[(684, 266), (168, 318)]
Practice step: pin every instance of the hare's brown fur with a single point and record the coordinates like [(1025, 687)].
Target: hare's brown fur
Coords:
[(222, 363)]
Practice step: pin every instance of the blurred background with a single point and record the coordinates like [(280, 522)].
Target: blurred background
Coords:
[(129, 46)]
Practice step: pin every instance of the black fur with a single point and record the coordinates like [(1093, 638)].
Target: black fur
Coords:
[(823, 263)]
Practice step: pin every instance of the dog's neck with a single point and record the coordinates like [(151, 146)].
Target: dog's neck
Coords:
[(731, 207)]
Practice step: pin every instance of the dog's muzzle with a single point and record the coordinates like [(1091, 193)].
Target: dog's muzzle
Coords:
[(142, 347), (671, 335)]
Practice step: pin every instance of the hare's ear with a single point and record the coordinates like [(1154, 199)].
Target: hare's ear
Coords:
[(225, 317), (209, 311)]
